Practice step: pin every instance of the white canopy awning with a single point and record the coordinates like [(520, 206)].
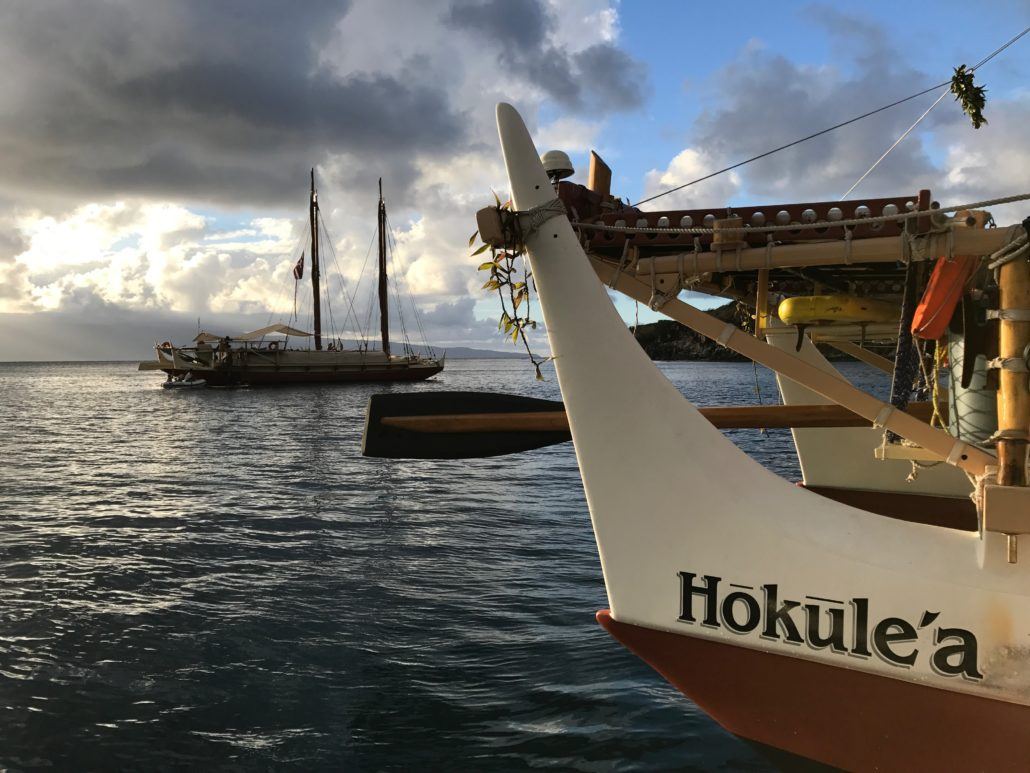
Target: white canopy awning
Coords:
[(278, 327), (204, 337)]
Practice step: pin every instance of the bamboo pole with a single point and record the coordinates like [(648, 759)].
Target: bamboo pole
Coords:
[(937, 442), (1013, 394), (723, 417), (884, 249)]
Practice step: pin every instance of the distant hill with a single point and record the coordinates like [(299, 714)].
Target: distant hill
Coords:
[(669, 340), (466, 353), (111, 334)]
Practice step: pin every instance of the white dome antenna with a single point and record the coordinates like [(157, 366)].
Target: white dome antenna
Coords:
[(557, 165)]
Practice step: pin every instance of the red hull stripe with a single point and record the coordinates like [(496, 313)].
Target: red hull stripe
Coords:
[(837, 716)]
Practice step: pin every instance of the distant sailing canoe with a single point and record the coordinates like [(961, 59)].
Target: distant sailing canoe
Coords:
[(263, 357)]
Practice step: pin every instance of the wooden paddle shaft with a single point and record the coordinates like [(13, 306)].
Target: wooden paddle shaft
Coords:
[(723, 417)]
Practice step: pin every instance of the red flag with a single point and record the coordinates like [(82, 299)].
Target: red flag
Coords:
[(298, 270)]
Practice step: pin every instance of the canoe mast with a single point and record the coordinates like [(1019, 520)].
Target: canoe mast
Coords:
[(317, 308), (384, 308), (384, 303)]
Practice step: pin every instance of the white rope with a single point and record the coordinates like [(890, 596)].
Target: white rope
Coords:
[(532, 219), (1009, 257), (896, 143), (805, 226)]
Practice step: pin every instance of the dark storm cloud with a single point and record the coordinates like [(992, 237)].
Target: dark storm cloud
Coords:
[(512, 23), (765, 100), (225, 101), (600, 78)]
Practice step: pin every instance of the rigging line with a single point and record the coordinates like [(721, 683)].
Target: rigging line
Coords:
[(343, 283), (407, 292), (283, 293), (328, 299), (897, 142), (407, 289), (364, 332), (328, 242), (979, 64), (414, 307), (370, 307), (393, 282)]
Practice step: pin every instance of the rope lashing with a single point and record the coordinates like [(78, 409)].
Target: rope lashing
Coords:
[(1013, 364), (1014, 248), (819, 224), (1009, 315), (1010, 256), (530, 220)]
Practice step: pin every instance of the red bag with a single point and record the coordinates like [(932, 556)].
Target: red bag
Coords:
[(942, 295)]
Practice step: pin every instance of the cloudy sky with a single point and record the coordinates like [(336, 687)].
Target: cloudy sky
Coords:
[(155, 155)]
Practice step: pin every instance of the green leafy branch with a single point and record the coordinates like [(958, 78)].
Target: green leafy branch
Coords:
[(511, 278), (973, 98)]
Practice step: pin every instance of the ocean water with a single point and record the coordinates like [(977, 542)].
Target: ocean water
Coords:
[(217, 579)]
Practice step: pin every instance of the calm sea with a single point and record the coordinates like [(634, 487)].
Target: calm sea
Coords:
[(217, 579)]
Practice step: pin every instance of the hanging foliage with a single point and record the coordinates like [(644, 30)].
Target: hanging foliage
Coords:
[(973, 98), (510, 277)]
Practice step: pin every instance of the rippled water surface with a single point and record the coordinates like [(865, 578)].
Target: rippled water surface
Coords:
[(216, 578)]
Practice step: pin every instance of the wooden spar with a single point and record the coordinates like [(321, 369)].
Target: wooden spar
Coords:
[(1013, 395), (884, 249), (762, 302), (863, 354), (723, 417), (317, 307), (384, 302), (937, 442), (599, 179)]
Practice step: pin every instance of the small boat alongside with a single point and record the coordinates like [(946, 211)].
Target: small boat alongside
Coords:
[(265, 357), (184, 382)]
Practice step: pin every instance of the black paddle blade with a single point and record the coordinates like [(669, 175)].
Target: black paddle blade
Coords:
[(388, 442)]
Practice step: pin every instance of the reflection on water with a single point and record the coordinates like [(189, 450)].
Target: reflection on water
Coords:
[(216, 578)]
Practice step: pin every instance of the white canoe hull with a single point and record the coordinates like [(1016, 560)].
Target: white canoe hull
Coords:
[(697, 539)]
